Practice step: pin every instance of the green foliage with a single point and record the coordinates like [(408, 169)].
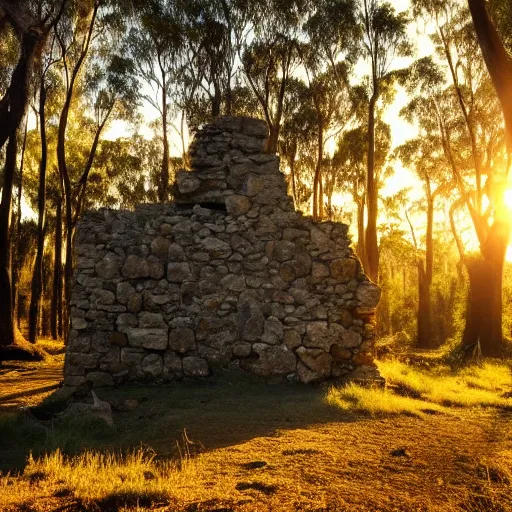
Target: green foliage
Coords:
[(124, 172)]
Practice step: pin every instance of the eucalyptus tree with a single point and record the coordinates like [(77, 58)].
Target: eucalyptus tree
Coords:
[(216, 31), (499, 65), (97, 83), (48, 82), (384, 39), (9, 48), (298, 129), (268, 67), (30, 22), (332, 109), (427, 157), (424, 155), (333, 35), (123, 173), (478, 168), (154, 45), (271, 57), (350, 157)]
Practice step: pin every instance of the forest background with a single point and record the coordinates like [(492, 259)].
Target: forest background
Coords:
[(335, 81)]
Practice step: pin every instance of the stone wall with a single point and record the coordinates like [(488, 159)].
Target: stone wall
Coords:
[(229, 276)]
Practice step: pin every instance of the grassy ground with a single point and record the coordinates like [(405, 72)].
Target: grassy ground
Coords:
[(240, 444)]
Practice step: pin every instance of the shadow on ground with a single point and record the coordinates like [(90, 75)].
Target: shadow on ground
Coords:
[(174, 418)]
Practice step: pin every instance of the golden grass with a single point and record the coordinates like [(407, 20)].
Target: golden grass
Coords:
[(378, 401), (475, 386), (107, 481), (417, 392), (52, 347)]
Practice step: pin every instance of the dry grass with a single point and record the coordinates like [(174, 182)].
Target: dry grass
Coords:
[(418, 392), (379, 401), (475, 386), (52, 347)]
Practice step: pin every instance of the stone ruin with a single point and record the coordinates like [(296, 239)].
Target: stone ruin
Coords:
[(228, 276)]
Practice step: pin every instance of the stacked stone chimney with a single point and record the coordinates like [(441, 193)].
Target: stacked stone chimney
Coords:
[(229, 276)]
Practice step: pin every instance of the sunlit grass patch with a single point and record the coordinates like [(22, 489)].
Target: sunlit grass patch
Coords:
[(106, 481), (483, 385), (110, 481), (52, 347), (378, 402)]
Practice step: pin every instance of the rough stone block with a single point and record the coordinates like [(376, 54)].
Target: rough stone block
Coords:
[(182, 340), (173, 367), (235, 283), (343, 269), (152, 338), (134, 304), (292, 339), (272, 360), (242, 349), (109, 266), (272, 332), (316, 359), (100, 379), (135, 267), (237, 205), (218, 249), (124, 292), (195, 367), (178, 272), (368, 294), (153, 365), (147, 319)]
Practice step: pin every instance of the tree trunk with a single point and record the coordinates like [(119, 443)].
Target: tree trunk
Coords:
[(182, 137), (37, 276), (294, 185), (229, 98), (321, 197), (163, 189), (56, 311), (424, 316), (371, 244), (68, 270), (496, 58), (14, 102), (6, 313), (483, 330), (16, 263), (360, 229), (217, 100), (273, 139), (316, 181)]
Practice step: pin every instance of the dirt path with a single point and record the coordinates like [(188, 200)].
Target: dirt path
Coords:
[(24, 384)]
